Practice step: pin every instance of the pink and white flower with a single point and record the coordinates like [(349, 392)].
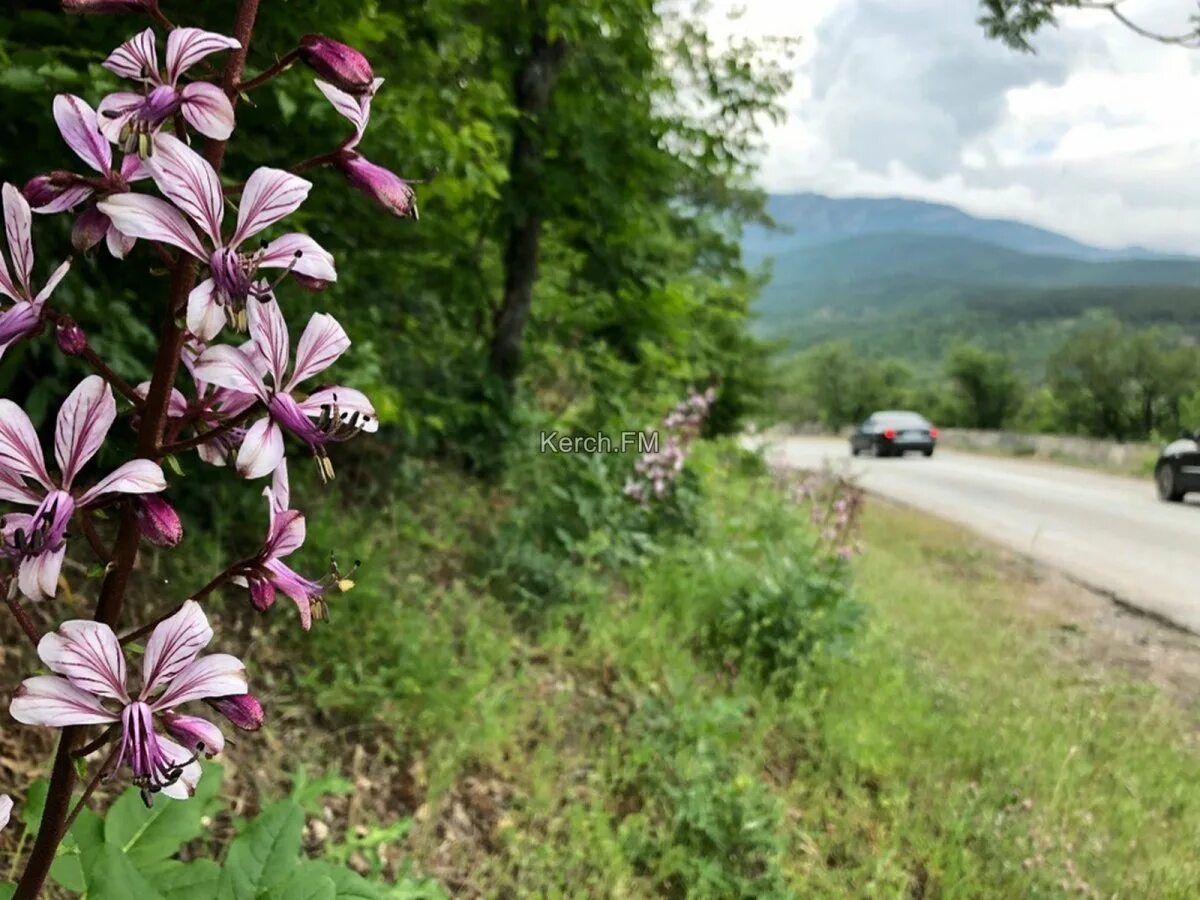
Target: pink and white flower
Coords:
[(269, 574), (211, 407), (131, 120), (6, 805), (90, 687), (25, 315), (326, 415), (38, 540), (385, 187), (190, 183), (62, 191)]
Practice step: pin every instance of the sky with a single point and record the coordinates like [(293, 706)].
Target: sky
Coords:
[(1096, 136)]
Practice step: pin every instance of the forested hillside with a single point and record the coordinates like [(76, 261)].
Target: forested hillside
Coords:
[(907, 278)]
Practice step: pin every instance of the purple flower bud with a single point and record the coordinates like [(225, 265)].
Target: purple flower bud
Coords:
[(195, 733), (158, 521), (108, 7), (342, 66), (45, 189), (243, 710), (70, 337), (386, 188), (262, 594), (90, 228)]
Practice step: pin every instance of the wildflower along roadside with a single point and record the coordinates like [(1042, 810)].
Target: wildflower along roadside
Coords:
[(164, 204)]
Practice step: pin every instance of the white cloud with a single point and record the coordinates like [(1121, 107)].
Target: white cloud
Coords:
[(1095, 136)]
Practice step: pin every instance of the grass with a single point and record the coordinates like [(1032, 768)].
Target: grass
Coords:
[(961, 753)]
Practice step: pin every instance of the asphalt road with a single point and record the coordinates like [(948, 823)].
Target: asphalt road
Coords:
[(1108, 532)]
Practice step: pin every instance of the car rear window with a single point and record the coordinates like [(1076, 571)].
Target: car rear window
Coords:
[(902, 420)]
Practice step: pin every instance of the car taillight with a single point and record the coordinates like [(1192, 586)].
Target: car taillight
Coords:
[(889, 433), (933, 432)]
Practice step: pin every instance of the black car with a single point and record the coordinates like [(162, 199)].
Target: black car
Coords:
[(1178, 469), (894, 433)]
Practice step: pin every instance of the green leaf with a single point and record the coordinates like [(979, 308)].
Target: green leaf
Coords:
[(349, 884), (173, 464), (112, 876), (7, 889), (35, 803), (264, 854), (151, 835), (305, 884), (197, 880)]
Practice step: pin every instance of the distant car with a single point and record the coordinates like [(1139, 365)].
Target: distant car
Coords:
[(1177, 471), (894, 433)]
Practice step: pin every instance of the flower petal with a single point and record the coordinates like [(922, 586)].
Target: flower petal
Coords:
[(205, 316), (269, 331), (18, 222), (53, 701), (137, 58), (13, 489), (185, 786), (321, 344), (287, 534), (20, 449), (269, 195), (89, 655), (140, 216), (175, 642), (68, 199), (55, 277), (356, 109), (138, 476), (215, 675), (6, 806), (119, 244), (77, 124), (278, 494), (37, 576), (114, 112), (208, 110), (313, 260), (200, 735), (84, 420), (347, 401), (187, 46), (261, 450), (230, 367), (188, 181)]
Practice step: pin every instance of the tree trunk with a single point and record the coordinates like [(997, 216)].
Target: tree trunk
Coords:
[(533, 85)]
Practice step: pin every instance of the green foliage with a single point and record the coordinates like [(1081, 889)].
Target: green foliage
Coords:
[(135, 850), (717, 833), (988, 389), (788, 623), (1113, 382)]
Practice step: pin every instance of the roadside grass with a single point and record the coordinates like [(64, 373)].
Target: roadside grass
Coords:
[(961, 753)]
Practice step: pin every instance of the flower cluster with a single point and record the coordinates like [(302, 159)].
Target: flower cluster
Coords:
[(834, 505), (147, 191), (655, 470)]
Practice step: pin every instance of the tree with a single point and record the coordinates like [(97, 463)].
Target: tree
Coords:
[(1112, 381), (1016, 21), (986, 383)]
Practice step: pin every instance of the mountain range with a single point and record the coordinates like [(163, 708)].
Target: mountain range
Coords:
[(906, 277)]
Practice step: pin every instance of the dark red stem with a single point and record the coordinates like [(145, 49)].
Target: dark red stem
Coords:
[(284, 62), (150, 432), (26, 623), (199, 595)]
